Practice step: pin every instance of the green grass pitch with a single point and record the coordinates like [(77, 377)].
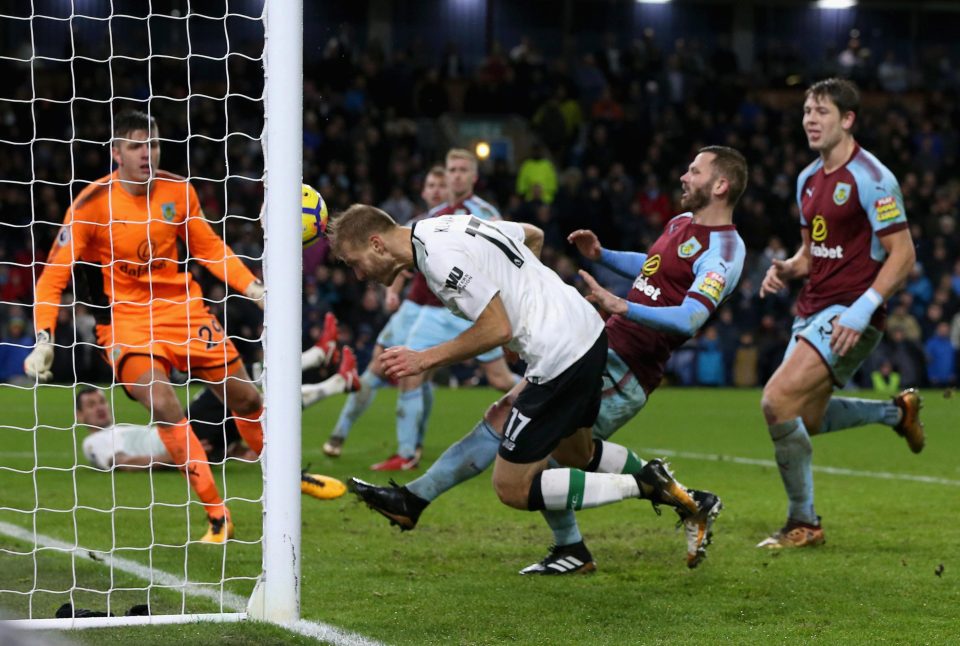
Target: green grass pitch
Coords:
[(889, 571)]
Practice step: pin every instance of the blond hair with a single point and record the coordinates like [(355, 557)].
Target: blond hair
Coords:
[(462, 153), (353, 227)]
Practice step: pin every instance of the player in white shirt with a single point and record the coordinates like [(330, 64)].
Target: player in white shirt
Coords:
[(488, 273)]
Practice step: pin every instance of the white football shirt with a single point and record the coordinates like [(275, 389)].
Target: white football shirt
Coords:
[(467, 261), (100, 447)]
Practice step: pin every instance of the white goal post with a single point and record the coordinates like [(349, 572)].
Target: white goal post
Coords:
[(138, 570)]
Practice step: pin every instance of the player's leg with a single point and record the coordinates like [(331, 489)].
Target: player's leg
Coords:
[(540, 424), (426, 390), (347, 380), (901, 413), (463, 460), (794, 401), (148, 381), (409, 422), (357, 404), (395, 332), (429, 329)]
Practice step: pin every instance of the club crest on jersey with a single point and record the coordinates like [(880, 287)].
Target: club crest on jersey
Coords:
[(169, 211), (689, 248), (651, 265), (841, 193), (818, 229)]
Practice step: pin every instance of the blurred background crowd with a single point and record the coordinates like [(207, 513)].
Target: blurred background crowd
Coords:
[(591, 130)]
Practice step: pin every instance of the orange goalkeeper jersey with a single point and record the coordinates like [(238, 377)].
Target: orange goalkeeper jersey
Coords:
[(122, 248)]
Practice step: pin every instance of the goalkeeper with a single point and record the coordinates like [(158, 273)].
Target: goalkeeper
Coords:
[(118, 244)]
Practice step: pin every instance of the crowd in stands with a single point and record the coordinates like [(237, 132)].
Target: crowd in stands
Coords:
[(615, 130)]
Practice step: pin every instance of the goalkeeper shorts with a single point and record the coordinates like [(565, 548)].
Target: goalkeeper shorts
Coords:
[(190, 340)]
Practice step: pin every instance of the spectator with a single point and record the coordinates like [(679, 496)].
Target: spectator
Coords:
[(886, 380), (15, 345), (538, 170), (710, 369), (941, 357)]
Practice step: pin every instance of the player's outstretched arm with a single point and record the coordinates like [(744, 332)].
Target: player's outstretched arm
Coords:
[(625, 263), (491, 329), (684, 319)]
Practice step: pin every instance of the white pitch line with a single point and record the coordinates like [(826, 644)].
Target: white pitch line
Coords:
[(837, 471), (228, 601)]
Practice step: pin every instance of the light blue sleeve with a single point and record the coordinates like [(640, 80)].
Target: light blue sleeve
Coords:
[(684, 319), (718, 270), (801, 180), (881, 199), (625, 263)]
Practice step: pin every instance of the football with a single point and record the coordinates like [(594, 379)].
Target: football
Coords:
[(314, 211)]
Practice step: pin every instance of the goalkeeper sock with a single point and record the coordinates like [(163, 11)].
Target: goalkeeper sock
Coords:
[(468, 457), (250, 429), (794, 454), (427, 390), (358, 402), (849, 412), (409, 417), (576, 489), (181, 444)]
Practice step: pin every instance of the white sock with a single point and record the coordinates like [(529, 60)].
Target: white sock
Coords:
[(310, 394), (312, 357), (575, 489)]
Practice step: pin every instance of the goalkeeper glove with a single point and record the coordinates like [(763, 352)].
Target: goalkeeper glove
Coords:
[(38, 362), (254, 292)]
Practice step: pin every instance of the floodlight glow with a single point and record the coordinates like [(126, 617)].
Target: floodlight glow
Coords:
[(482, 150), (654, 1), (836, 4)]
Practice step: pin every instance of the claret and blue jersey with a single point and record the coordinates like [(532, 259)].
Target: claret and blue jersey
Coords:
[(846, 213), (688, 262)]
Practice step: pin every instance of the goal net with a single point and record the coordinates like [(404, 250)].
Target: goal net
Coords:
[(98, 523)]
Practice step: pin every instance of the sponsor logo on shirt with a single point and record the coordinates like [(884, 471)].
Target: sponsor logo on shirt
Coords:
[(823, 251), (818, 228), (457, 280), (169, 211), (841, 193), (887, 208), (641, 284), (651, 265), (689, 248), (713, 284)]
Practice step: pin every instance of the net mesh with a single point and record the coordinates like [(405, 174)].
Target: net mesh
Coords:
[(72, 529)]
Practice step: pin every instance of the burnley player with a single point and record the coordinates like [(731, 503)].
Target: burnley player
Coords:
[(856, 252), (685, 275)]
